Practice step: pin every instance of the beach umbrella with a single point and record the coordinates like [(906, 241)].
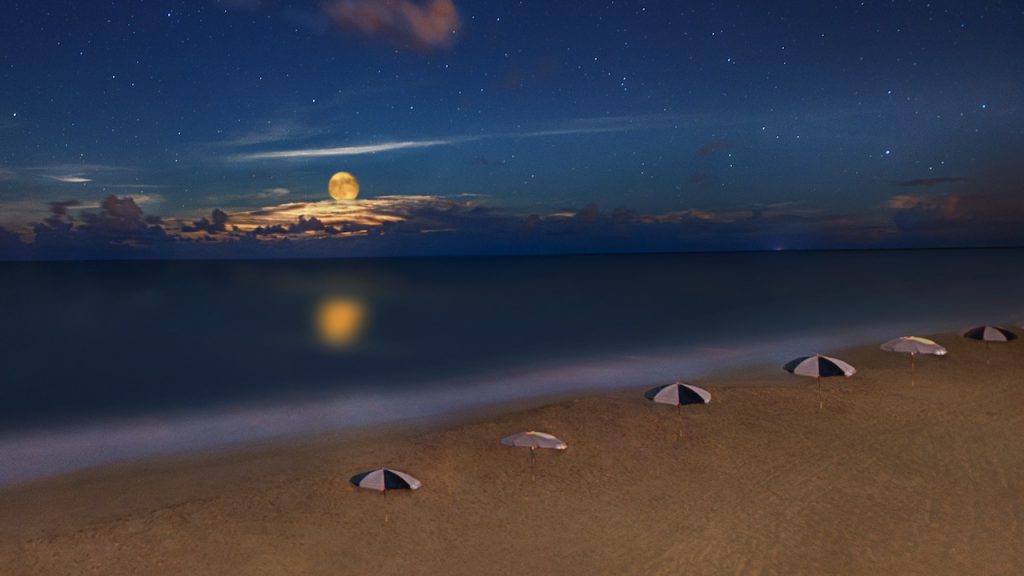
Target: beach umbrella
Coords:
[(534, 440), (986, 334), (989, 334), (677, 394), (384, 480), (914, 345), (818, 367)]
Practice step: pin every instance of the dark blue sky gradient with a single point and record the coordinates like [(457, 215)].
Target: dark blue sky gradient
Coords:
[(707, 125)]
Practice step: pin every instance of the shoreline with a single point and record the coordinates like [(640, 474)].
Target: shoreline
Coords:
[(881, 478), (33, 455)]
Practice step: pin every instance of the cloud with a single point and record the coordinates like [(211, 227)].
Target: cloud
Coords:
[(11, 246), (425, 25), (71, 179), (570, 128), (274, 131), (147, 198), (991, 216), (301, 226), (60, 207), (928, 181), (341, 150), (215, 225), (274, 193), (119, 225), (8, 238), (120, 210)]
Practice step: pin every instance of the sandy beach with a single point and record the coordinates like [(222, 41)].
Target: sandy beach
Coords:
[(888, 478)]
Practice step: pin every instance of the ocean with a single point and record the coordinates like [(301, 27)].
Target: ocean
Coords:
[(107, 361)]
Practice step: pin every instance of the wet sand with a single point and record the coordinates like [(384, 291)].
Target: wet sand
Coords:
[(888, 478)]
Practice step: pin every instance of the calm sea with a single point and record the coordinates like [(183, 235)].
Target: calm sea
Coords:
[(103, 361)]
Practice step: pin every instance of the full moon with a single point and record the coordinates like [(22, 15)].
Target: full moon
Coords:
[(343, 186)]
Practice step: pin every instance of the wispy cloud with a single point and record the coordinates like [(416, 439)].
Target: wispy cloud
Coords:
[(146, 198), (342, 150), (274, 131), (278, 192), (570, 128), (70, 178)]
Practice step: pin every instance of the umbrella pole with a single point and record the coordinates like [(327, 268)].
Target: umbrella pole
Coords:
[(533, 458), (385, 492), (679, 410), (988, 354), (913, 367), (821, 403)]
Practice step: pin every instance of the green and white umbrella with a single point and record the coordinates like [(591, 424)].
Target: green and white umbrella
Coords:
[(534, 441), (914, 345)]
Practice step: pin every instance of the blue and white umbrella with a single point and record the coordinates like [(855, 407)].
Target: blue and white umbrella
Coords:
[(818, 367), (384, 479), (987, 334), (677, 394)]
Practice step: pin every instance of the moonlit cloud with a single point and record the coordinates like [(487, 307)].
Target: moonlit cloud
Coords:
[(579, 126), (274, 193), (370, 212), (341, 150), (70, 179), (146, 198)]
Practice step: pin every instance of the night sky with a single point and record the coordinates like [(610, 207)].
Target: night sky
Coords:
[(211, 128)]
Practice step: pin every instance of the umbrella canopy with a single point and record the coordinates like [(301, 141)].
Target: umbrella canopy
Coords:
[(384, 479), (533, 440), (678, 394), (914, 345), (989, 334), (819, 366)]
